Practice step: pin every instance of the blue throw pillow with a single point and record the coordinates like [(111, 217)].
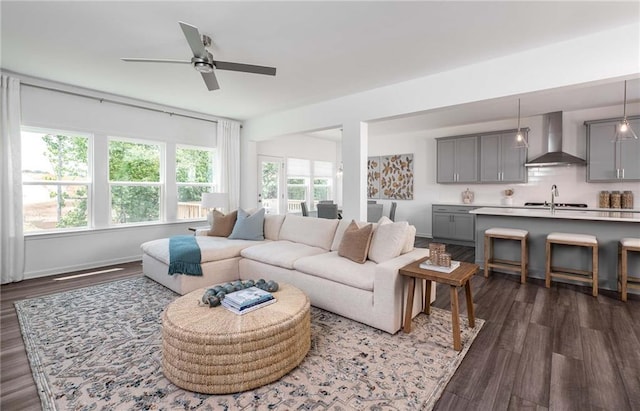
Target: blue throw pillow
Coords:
[(249, 226)]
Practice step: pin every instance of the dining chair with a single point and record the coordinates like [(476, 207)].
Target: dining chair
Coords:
[(303, 207), (392, 212), (327, 210), (374, 212)]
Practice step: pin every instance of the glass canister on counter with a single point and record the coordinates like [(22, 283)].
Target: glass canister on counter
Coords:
[(627, 199), (616, 199), (603, 199)]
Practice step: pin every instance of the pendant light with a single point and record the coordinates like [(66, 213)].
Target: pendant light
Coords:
[(521, 140), (623, 128)]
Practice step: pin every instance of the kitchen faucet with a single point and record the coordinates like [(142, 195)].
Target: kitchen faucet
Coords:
[(554, 194)]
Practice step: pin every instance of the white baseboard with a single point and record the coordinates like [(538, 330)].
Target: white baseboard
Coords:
[(80, 267)]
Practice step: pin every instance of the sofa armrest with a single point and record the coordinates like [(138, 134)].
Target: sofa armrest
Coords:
[(389, 289), (387, 273)]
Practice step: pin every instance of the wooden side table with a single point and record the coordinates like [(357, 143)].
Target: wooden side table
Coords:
[(457, 278)]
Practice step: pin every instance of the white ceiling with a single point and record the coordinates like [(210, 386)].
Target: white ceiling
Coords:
[(322, 50)]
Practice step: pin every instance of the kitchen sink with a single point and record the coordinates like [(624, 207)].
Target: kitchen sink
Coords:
[(562, 205)]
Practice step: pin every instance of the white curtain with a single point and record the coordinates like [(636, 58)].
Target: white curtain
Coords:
[(229, 155), (11, 234)]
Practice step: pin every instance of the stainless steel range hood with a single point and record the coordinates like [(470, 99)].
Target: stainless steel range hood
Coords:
[(555, 156)]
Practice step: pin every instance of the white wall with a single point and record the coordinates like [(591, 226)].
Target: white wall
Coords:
[(299, 146), (571, 181), (53, 253)]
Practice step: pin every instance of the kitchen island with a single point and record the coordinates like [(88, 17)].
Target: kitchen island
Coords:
[(608, 226)]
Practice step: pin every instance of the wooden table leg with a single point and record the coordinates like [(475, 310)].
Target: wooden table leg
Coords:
[(409, 310), (427, 298), (455, 319), (470, 311)]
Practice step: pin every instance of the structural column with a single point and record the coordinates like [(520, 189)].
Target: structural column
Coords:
[(355, 140)]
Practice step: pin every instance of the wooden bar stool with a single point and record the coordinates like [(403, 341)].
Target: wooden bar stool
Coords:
[(624, 279), (579, 240), (506, 234)]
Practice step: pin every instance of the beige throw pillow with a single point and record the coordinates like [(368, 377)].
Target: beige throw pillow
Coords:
[(388, 241), (411, 239), (223, 224), (355, 242)]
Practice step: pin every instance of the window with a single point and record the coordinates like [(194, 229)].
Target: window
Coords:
[(322, 181), (56, 182), (194, 175), (135, 181), (298, 173), (302, 179)]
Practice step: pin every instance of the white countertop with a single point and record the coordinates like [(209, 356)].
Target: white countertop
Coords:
[(493, 205), (630, 216)]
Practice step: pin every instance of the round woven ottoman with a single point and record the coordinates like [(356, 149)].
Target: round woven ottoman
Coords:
[(214, 351)]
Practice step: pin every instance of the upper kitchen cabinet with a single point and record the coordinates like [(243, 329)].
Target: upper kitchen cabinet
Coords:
[(608, 160), (500, 160), (457, 159)]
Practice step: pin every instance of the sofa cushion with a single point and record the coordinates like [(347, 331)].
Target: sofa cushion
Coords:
[(280, 253), (316, 232), (338, 269), (355, 242), (388, 240), (223, 224), (272, 225), (211, 248), (249, 226)]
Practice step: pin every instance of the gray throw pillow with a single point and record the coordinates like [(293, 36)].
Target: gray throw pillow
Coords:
[(249, 226)]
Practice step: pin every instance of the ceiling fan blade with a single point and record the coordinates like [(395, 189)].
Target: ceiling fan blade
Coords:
[(142, 60), (210, 80), (194, 39), (247, 68)]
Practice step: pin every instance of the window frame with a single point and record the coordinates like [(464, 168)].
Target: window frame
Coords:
[(161, 183), (88, 182), (310, 186), (213, 185)]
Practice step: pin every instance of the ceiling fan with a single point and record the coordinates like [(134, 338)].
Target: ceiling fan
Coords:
[(203, 61)]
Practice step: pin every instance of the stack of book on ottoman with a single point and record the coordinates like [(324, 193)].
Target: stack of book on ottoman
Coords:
[(249, 299)]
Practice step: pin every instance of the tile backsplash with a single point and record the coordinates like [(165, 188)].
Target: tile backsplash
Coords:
[(570, 180)]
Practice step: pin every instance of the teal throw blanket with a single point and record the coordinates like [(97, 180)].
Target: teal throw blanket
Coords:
[(184, 255)]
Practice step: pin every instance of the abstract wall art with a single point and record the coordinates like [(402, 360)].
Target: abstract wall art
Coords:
[(390, 177)]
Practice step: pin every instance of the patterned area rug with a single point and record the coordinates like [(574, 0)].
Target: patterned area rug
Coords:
[(99, 348)]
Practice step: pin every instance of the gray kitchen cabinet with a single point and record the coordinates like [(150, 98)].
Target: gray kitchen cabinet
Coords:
[(500, 160), (457, 159), (608, 160), (453, 224)]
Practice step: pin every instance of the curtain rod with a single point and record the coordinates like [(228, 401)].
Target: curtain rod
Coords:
[(102, 100)]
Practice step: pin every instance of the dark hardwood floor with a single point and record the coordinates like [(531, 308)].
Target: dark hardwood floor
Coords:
[(557, 348)]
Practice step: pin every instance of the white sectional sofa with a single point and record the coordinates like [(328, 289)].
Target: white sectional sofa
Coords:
[(303, 251)]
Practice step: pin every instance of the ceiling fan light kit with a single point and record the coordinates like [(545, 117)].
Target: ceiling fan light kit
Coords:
[(201, 65), (203, 61)]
